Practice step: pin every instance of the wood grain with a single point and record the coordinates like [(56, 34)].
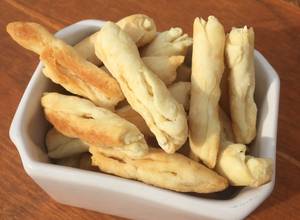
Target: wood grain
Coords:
[(277, 28)]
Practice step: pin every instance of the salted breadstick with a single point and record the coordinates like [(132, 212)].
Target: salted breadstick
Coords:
[(181, 92), (79, 118), (170, 171), (139, 27), (207, 69), (164, 67), (240, 59), (168, 43), (61, 146), (233, 163), (65, 67), (144, 91)]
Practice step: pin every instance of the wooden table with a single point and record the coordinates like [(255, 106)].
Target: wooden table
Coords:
[(277, 27)]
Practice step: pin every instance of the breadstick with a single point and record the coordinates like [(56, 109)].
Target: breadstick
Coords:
[(61, 146), (170, 171), (241, 169), (181, 92), (135, 118), (233, 163), (207, 69), (164, 67), (240, 59), (139, 27), (144, 91), (79, 118), (168, 43), (65, 67)]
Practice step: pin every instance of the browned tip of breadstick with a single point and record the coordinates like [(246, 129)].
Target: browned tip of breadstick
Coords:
[(65, 60), (31, 36)]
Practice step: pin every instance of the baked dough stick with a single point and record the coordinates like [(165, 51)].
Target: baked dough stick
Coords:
[(61, 146), (168, 43), (139, 27), (170, 171), (135, 118), (144, 91), (65, 67), (240, 59), (79, 118), (180, 91), (207, 69), (164, 67), (233, 163)]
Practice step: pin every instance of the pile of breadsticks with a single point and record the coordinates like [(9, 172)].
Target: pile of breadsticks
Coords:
[(136, 101)]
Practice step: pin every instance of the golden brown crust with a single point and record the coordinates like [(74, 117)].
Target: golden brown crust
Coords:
[(79, 118), (64, 66), (170, 171)]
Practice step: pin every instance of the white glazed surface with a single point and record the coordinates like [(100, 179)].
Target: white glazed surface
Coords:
[(127, 198)]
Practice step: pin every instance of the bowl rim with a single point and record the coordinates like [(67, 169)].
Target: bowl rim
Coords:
[(238, 207)]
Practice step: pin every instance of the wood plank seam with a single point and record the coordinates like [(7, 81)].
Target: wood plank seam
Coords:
[(33, 13), (288, 158)]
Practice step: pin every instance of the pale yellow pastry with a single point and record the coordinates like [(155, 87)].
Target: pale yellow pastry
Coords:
[(207, 69), (233, 163), (144, 91), (141, 28), (164, 67), (61, 146), (135, 118), (170, 171), (168, 43), (65, 67), (181, 92), (240, 59), (86, 49), (79, 118), (241, 169)]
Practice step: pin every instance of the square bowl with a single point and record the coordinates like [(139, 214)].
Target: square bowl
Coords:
[(127, 198)]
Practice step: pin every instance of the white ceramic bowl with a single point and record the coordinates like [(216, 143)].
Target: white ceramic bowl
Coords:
[(127, 198)]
